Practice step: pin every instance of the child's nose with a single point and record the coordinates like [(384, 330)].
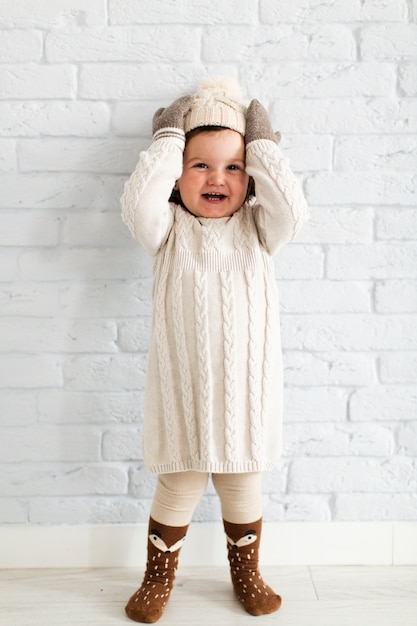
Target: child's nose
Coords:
[(216, 177)]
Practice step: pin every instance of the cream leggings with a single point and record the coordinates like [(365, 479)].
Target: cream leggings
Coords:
[(177, 495)]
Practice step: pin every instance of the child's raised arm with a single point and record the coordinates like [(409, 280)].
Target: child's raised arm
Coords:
[(145, 206), (280, 207)]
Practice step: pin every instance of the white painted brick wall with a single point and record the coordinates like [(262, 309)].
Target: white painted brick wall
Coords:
[(79, 82)]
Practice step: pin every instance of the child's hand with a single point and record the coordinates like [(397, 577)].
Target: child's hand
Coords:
[(258, 125), (172, 116)]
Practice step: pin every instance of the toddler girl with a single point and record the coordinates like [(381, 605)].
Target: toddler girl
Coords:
[(211, 200)]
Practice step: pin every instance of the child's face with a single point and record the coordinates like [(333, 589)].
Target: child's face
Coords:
[(213, 181)]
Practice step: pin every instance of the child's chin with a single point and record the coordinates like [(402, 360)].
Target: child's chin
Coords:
[(217, 211)]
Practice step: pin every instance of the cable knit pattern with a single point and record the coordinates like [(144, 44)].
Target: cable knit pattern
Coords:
[(280, 172), (214, 382), (211, 235), (256, 340), (184, 235), (146, 188), (229, 338), (135, 186), (204, 363), (268, 352), (184, 232), (242, 233), (184, 367), (277, 186), (166, 375)]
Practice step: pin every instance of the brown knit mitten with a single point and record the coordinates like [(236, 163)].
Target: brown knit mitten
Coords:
[(258, 125), (165, 120), (164, 544), (243, 547)]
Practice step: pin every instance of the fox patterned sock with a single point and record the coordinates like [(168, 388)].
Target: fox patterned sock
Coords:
[(164, 544), (243, 542)]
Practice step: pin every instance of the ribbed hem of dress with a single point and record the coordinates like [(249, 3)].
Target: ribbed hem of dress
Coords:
[(220, 467)]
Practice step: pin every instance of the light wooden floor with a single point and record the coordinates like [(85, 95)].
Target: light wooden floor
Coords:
[(312, 596)]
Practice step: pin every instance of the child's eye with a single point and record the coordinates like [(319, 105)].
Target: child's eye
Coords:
[(200, 165), (233, 167)]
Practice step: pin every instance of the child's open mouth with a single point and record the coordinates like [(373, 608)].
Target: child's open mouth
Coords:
[(214, 197)]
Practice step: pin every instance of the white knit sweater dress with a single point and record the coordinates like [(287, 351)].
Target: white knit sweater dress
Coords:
[(214, 379)]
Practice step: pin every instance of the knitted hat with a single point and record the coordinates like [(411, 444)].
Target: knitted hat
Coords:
[(217, 103)]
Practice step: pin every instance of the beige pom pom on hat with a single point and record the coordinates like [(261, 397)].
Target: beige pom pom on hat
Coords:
[(217, 103)]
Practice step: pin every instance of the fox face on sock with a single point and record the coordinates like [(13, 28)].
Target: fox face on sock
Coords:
[(156, 539), (249, 537)]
